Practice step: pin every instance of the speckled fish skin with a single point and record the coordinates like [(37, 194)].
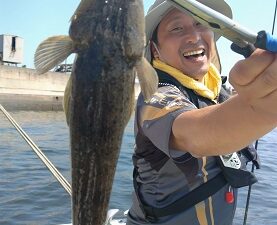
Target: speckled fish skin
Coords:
[(109, 38)]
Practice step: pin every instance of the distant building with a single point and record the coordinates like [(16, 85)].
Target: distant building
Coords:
[(11, 49)]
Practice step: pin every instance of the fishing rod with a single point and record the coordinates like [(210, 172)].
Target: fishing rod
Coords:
[(274, 18), (63, 182), (257, 142)]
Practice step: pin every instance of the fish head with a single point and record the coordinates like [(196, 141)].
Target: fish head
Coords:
[(83, 24)]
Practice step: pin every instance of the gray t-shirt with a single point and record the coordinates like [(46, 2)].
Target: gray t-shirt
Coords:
[(166, 175)]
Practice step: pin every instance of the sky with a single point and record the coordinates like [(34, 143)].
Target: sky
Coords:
[(35, 20)]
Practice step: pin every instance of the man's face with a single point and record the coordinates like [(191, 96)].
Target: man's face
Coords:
[(184, 44)]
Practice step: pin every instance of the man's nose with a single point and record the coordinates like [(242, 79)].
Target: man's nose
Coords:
[(192, 36)]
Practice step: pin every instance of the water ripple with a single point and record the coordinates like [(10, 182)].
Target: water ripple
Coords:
[(30, 194)]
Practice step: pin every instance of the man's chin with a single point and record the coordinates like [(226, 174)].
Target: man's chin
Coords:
[(196, 74)]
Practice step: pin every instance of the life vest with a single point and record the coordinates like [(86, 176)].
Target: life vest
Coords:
[(233, 166)]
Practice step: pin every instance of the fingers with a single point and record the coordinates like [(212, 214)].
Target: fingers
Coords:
[(255, 80), (245, 71), (267, 104), (261, 84)]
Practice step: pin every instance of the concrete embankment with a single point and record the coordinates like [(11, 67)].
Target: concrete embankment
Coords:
[(23, 89)]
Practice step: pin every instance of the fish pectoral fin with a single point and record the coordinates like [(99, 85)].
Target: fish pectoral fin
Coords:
[(148, 79), (51, 52)]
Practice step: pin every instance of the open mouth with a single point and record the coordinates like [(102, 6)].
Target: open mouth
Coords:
[(194, 54)]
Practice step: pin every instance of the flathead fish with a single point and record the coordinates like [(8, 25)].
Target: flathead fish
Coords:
[(108, 37)]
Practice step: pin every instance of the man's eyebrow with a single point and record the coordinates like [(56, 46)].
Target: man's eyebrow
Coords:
[(172, 19)]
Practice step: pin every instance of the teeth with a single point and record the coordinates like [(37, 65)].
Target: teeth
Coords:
[(197, 52)]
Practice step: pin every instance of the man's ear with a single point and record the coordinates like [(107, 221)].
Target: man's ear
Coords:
[(154, 50)]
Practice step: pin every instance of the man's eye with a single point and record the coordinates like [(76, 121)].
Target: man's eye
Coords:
[(177, 28), (198, 24)]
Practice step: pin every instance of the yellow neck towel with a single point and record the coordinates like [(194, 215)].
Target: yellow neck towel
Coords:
[(209, 89)]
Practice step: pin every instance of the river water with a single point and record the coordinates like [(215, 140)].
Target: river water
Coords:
[(30, 195)]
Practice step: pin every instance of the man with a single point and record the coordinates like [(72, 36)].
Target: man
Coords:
[(180, 176)]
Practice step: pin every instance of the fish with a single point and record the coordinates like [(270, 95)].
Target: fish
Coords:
[(108, 38)]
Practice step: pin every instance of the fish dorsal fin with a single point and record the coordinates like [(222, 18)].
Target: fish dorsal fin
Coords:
[(81, 8), (148, 79), (51, 52)]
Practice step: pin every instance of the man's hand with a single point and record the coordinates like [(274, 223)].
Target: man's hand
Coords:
[(255, 80)]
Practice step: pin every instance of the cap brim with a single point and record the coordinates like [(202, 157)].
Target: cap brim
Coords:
[(154, 17), (155, 14)]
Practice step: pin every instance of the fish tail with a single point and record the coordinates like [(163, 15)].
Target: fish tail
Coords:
[(51, 52), (148, 79)]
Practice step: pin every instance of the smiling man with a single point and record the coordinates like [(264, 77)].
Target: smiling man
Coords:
[(184, 44), (192, 144)]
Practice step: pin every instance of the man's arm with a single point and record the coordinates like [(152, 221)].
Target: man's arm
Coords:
[(232, 125)]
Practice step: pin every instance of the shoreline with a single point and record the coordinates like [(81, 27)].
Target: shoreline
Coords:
[(23, 89)]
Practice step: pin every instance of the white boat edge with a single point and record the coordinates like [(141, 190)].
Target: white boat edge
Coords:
[(110, 220)]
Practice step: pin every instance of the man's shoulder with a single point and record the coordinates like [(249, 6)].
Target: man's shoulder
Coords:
[(167, 96)]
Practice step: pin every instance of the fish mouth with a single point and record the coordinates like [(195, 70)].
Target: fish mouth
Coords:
[(198, 53)]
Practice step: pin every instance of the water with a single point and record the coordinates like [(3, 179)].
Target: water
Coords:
[(30, 195)]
